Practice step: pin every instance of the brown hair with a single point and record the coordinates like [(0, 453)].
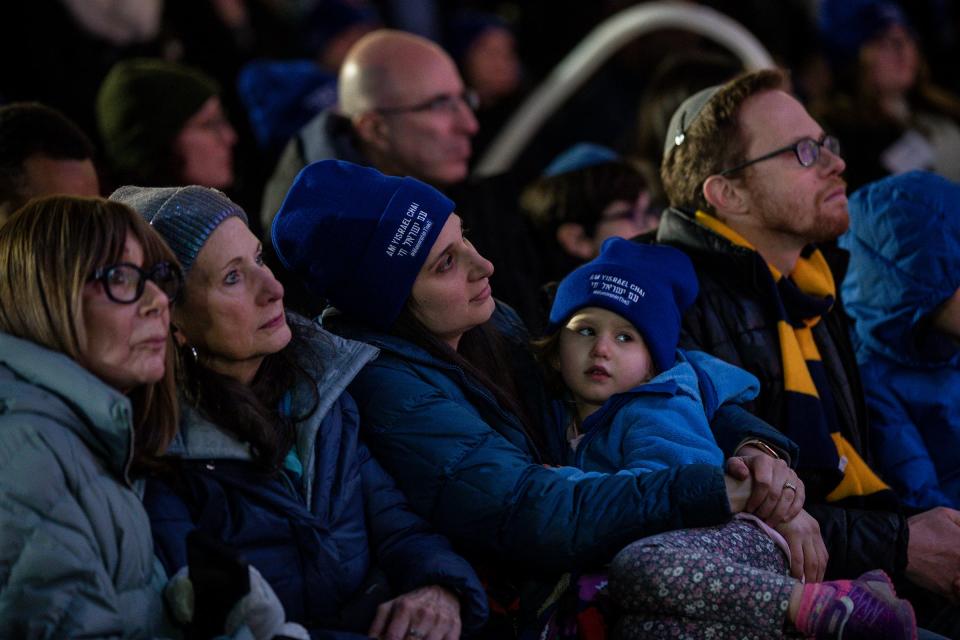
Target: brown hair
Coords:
[(547, 352), (252, 412), (484, 356), (48, 250), (713, 140), (578, 197)]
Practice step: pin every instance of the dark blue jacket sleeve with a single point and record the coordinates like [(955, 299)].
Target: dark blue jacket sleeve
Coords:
[(732, 424), (491, 497), (408, 551)]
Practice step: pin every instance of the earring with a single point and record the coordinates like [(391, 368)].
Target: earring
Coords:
[(195, 354)]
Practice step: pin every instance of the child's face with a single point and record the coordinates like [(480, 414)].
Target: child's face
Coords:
[(601, 354)]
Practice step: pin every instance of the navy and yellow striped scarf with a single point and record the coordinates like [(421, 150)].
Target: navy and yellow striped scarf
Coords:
[(802, 298)]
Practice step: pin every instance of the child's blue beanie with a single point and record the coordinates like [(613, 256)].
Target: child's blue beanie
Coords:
[(649, 285), (357, 237)]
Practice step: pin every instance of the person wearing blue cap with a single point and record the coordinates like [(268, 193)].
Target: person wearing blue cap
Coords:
[(885, 109), (586, 195), (454, 405), (901, 291), (640, 405), (268, 454)]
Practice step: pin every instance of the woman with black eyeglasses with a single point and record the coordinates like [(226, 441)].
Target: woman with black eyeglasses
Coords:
[(86, 403), (268, 458)]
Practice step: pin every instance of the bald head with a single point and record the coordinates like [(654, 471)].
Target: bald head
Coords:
[(406, 102), (380, 64)]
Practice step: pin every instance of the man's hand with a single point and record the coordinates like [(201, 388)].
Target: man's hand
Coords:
[(808, 554), (778, 494), (933, 555), (427, 613)]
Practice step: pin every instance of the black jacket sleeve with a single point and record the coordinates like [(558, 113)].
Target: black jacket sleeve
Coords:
[(859, 540)]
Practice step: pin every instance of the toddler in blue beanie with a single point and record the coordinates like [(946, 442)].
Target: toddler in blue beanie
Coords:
[(641, 405), (614, 328)]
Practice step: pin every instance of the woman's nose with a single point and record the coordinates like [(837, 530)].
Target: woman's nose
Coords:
[(154, 299), (270, 288)]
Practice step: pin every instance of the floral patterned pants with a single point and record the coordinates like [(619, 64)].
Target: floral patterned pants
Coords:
[(729, 581)]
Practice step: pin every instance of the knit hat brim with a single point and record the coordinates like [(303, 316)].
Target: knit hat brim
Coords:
[(358, 238), (649, 285)]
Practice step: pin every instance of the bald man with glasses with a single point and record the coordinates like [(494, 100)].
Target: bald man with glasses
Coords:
[(757, 200), (402, 109)]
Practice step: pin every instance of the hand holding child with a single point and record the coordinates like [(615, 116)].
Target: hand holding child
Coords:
[(777, 493), (808, 554)]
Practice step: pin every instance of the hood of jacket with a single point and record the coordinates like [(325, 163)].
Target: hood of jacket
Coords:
[(34, 379), (904, 244), (338, 359), (330, 135)]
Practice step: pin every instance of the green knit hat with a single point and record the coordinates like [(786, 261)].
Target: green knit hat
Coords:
[(142, 105)]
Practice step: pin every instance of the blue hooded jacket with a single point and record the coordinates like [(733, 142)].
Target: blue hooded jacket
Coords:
[(904, 244), (665, 422)]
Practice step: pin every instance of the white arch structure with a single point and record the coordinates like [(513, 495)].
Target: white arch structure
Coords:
[(601, 43)]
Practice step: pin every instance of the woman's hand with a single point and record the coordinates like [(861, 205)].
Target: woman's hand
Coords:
[(808, 554), (430, 613), (778, 494)]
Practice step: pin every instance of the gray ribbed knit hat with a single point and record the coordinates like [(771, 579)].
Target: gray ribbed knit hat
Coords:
[(184, 216)]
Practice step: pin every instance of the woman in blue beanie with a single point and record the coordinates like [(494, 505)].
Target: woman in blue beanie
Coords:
[(268, 458), (454, 406), (639, 404)]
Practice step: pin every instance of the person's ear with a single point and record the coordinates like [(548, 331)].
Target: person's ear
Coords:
[(178, 337), (573, 239), (726, 196), (372, 129)]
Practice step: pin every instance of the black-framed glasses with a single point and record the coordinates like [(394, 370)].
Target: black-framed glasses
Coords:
[(807, 151), (443, 103), (125, 282)]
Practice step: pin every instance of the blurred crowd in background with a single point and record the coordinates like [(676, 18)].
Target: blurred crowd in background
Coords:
[(273, 64)]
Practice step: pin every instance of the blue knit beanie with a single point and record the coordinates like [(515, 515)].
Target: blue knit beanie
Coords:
[(846, 25), (184, 216), (649, 285), (358, 237), (281, 96)]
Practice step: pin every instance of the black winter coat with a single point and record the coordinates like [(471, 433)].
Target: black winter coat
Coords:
[(733, 320)]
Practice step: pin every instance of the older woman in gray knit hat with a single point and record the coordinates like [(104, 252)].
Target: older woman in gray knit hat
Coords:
[(271, 462)]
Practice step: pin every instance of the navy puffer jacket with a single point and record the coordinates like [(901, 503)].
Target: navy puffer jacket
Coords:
[(318, 539), (467, 465)]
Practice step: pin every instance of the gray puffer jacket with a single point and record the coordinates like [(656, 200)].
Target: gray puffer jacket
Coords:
[(76, 554)]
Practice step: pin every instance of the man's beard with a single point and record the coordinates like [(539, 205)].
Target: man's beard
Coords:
[(817, 225)]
